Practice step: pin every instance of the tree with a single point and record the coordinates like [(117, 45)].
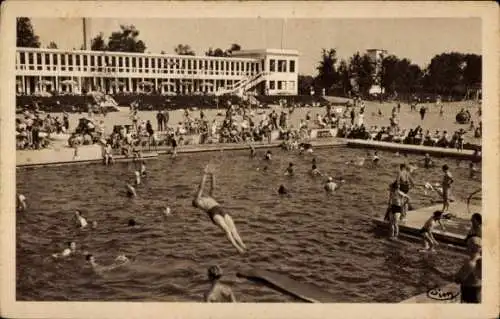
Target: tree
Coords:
[(217, 52), (305, 82), (389, 73), (472, 73), (361, 70), (234, 47), (327, 74), (52, 45), (445, 73), (98, 43), (343, 80), (126, 40), (25, 35), (183, 49)]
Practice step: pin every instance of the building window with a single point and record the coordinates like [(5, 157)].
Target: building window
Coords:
[(272, 65), (292, 66), (272, 85), (281, 65), (291, 85), (280, 85)]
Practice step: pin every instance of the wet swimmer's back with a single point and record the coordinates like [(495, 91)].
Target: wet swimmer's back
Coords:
[(331, 186)]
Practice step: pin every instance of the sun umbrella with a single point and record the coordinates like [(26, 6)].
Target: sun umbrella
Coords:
[(145, 83)]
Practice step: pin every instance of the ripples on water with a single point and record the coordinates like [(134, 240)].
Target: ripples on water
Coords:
[(324, 240)]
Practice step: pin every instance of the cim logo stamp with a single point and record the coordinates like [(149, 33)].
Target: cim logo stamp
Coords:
[(443, 294)]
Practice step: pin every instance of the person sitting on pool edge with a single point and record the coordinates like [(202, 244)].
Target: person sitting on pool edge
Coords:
[(218, 216), (218, 292)]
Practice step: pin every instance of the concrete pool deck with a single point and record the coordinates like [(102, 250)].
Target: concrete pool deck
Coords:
[(60, 154), (457, 228), (64, 155)]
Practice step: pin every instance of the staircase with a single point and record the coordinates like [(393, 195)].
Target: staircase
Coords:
[(242, 86)]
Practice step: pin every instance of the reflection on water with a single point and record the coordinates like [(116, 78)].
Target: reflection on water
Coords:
[(324, 240)]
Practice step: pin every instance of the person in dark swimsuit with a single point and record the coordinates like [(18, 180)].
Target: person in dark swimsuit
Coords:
[(218, 216), (405, 182)]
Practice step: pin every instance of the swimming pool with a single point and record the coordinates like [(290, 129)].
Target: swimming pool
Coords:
[(324, 240)]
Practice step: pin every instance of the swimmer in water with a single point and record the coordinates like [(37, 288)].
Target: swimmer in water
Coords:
[(375, 158), (120, 260), (70, 250), (218, 216), (253, 153), (289, 170), (167, 211), (80, 220), (143, 169), (426, 231), (282, 190), (21, 203), (305, 147), (218, 292), (472, 170), (360, 161), (315, 171), (132, 223), (268, 156), (131, 191), (428, 162), (137, 178), (331, 186), (94, 224)]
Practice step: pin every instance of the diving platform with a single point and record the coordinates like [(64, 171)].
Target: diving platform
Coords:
[(415, 149), (288, 286), (456, 228)]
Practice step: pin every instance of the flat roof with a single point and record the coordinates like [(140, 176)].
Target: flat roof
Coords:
[(267, 52), (156, 55)]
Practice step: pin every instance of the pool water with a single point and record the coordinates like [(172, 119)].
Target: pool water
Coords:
[(313, 238)]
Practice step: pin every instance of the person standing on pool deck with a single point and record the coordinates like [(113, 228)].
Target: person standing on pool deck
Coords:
[(397, 199), (405, 182), (218, 292), (218, 216), (446, 185)]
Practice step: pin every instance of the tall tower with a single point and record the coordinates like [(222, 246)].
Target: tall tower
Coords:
[(86, 35), (376, 57)]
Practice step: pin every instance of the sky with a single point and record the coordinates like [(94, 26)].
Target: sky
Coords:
[(417, 39)]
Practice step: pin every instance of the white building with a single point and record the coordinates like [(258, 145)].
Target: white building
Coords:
[(265, 72)]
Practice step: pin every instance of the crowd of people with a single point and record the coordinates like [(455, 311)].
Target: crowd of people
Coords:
[(34, 129)]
